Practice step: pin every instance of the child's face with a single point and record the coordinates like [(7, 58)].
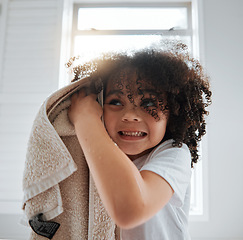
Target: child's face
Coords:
[(126, 115)]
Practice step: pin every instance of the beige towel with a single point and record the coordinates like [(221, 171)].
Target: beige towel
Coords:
[(56, 179)]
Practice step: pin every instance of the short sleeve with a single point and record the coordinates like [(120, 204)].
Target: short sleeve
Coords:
[(174, 165)]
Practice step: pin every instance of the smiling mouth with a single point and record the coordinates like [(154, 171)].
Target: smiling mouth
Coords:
[(132, 134)]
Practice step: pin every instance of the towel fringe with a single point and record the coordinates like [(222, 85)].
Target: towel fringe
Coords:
[(49, 182)]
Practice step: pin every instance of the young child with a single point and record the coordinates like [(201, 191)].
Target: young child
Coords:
[(141, 156)]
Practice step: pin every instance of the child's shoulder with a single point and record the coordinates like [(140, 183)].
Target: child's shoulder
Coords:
[(168, 145), (167, 153), (168, 159)]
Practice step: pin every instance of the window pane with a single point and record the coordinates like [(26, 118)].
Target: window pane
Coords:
[(132, 18), (89, 47)]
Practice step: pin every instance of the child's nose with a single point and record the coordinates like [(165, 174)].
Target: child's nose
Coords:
[(131, 115)]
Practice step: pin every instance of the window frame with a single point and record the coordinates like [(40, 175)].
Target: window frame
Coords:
[(199, 209), (169, 32)]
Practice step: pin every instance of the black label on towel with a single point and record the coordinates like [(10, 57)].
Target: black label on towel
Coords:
[(43, 228)]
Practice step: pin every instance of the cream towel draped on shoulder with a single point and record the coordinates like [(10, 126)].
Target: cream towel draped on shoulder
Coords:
[(56, 180)]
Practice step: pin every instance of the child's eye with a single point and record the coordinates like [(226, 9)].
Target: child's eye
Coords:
[(115, 102), (148, 103)]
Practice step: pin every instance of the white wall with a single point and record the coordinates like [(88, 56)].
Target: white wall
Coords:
[(37, 45), (224, 60)]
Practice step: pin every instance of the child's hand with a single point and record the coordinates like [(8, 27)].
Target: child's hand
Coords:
[(84, 107)]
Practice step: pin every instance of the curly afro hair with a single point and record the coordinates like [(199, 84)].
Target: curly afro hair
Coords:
[(175, 75)]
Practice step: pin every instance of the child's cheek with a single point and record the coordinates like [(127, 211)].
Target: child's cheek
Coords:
[(107, 119)]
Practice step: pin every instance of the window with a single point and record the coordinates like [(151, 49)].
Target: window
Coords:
[(104, 28), (101, 28)]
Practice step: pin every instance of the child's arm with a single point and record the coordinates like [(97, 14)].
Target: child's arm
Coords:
[(130, 197)]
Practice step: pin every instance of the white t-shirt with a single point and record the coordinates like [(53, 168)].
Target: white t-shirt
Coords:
[(171, 222)]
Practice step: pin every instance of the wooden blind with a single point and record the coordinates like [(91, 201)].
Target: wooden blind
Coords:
[(29, 73)]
